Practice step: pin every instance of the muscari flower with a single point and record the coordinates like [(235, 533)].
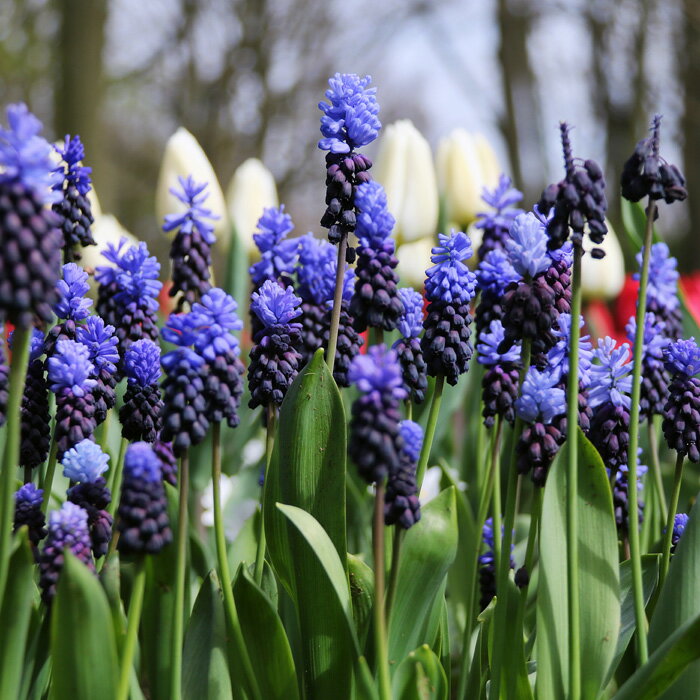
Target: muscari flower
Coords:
[(278, 253), (620, 489), (493, 275), (74, 207), (376, 442), (487, 565), (28, 500), (168, 461), (407, 347), (680, 522), (401, 504), (681, 423), (68, 530), (30, 239), (143, 522), (497, 223), (449, 287), (190, 251)]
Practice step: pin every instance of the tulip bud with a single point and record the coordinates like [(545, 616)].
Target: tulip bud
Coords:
[(405, 169), (184, 156), (106, 229), (414, 260), (252, 189), (466, 164), (603, 279)]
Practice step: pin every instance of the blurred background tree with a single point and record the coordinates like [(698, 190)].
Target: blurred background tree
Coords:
[(244, 77)]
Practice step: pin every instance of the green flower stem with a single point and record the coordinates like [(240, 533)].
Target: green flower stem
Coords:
[(638, 350), (180, 573), (496, 490), (380, 642), (430, 430), (668, 535), (394, 575), (530, 550), (337, 302), (18, 374), (656, 468), (104, 432), (132, 629), (572, 484), (222, 555), (269, 445), (409, 409), (115, 478), (47, 484)]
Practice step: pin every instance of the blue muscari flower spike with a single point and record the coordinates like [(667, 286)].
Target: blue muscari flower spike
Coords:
[(101, 343), (566, 253), (275, 305), (495, 272), (611, 380), (77, 175), (181, 329), (36, 343), (141, 462), (350, 120), (558, 356), (216, 318), (411, 323), (85, 462), (142, 363), (31, 495), (680, 521), (412, 435), (539, 399), (449, 279), (527, 245), (277, 252), (374, 221), (655, 339), (313, 282), (663, 276), (138, 277), (69, 524), (501, 198), (70, 368), (193, 195), (378, 372), (329, 270), (487, 347), (25, 156), (683, 357), (72, 290), (106, 274)]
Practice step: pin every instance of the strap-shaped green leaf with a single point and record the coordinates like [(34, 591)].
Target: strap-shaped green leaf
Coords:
[(420, 677)]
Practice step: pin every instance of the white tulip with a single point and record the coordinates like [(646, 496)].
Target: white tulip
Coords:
[(414, 260), (466, 164), (603, 279), (106, 229), (252, 189), (184, 156), (404, 166)]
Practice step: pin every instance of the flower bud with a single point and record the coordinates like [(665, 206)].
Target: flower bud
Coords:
[(405, 169), (251, 190), (604, 278), (466, 164), (184, 156)]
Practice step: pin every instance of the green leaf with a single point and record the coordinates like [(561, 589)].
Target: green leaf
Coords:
[(650, 575), (634, 222), (205, 672), (15, 616), (679, 601), (479, 668), (428, 551), (665, 666), (420, 677), (83, 648), (362, 593), (516, 680), (322, 595), (598, 577), (366, 688)]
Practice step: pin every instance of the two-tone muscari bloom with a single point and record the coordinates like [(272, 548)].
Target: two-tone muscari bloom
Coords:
[(376, 302), (542, 407), (168, 461), (72, 307), (494, 275), (190, 251), (578, 201), (646, 174), (349, 122), (140, 414), (84, 466), (70, 375), (28, 500), (68, 530), (620, 493), (609, 397), (74, 207), (275, 358), (30, 239), (681, 423), (680, 522), (407, 347), (144, 527), (449, 288), (376, 442), (401, 504), (278, 253), (497, 223)]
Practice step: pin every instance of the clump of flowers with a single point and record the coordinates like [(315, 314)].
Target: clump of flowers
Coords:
[(401, 504), (28, 500), (408, 348), (140, 414), (497, 223)]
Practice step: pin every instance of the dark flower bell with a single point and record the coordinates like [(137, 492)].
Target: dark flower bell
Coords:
[(28, 500), (401, 504), (408, 347)]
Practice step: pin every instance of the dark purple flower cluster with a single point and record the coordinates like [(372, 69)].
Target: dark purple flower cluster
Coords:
[(408, 348), (140, 414), (28, 500), (621, 498), (401, 504)]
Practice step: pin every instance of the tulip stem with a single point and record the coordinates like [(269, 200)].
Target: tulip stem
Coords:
[(380, 643), (180, 573), (269, 445), (18, 374), (115, 481), (668, 535), (430, 429), (132, 630), (337, 302), (638, 352), (47, 484)]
